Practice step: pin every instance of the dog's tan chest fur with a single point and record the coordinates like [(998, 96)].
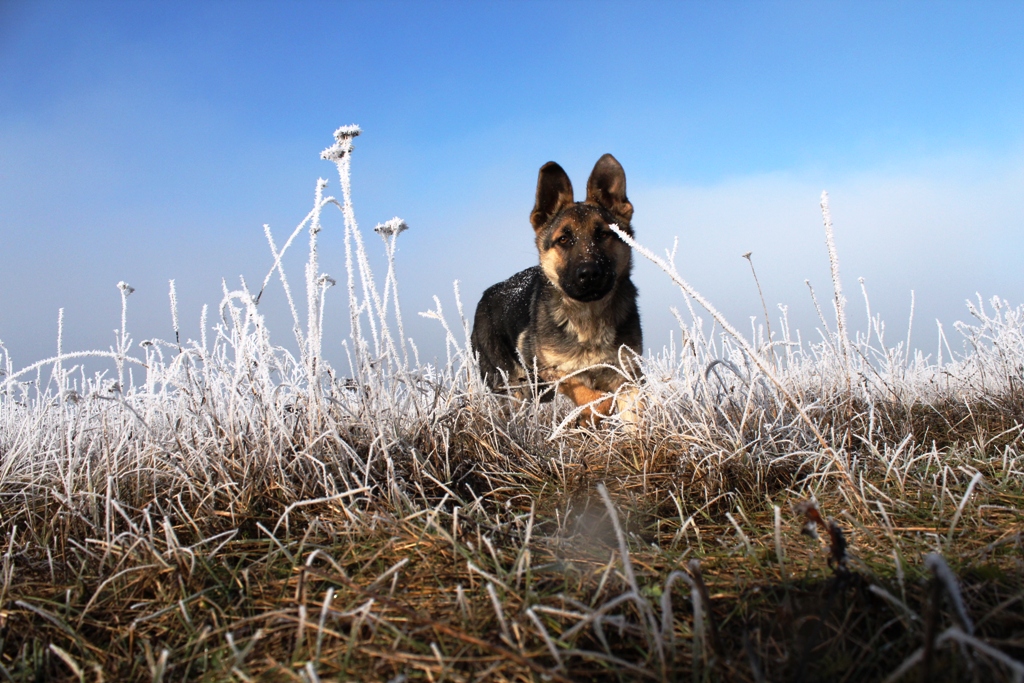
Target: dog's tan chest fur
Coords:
[(588, 322), (594, 340)]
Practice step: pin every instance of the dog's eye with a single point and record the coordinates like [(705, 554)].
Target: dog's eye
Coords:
[(602, 236), (564, 240)]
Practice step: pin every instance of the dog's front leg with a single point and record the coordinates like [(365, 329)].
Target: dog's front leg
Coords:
[(581, 394)]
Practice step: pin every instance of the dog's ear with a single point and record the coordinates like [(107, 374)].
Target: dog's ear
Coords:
[(607, 188), (554, 193)]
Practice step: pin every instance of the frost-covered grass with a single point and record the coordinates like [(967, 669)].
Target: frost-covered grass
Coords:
[(225, 509)]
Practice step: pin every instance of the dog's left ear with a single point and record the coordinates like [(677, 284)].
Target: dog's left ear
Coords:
[(607, 187), (554, 193)]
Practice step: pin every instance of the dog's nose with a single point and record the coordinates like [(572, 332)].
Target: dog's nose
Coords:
[(587, 273)]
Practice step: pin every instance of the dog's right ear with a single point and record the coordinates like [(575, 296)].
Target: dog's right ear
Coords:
[(554, 193), (607, 187)]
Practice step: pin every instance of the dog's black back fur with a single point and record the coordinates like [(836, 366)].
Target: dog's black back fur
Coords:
[(502, 316)]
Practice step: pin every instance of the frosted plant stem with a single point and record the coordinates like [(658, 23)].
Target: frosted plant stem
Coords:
[(284, 280), (389, 232), (960, 508), (324, 282), (817, 307), (943, 340), (821, 316), (343, 160), (751, 352), (450, 341), (340, 154), (653, 630), (867, 306), (667, 629), (122, 343), (462, 316), (383, 343), (60, 350), (174, 315), (500, 613), (312, 288), (114, 355), (910, 326), (398, 308), (313, 297), (837, 285), (202, 328), (764, 306), (778, 543), (539, 625), (278, 255)]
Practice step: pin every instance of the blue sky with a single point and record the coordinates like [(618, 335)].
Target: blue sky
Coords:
[(150, 141)]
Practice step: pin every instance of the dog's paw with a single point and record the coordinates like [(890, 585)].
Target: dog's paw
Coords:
[(628, 404)]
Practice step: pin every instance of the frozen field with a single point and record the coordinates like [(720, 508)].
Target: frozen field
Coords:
[(224, 509)]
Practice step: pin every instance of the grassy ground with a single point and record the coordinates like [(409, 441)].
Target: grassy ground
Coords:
[(843, 511), (496, 558)]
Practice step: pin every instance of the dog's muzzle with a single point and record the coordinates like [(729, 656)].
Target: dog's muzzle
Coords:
[(589, 281)]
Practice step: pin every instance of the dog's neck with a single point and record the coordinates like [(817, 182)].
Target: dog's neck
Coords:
[(588, 321)]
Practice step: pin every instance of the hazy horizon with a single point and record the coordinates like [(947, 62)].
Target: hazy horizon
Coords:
[(149, 143)]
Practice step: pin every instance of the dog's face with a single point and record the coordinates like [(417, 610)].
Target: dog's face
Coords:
[(579, 253)]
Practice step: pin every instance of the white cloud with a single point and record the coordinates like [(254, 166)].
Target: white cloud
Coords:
[(946, 229)]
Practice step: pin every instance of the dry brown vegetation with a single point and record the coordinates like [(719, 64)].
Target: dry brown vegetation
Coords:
[(846, 512)]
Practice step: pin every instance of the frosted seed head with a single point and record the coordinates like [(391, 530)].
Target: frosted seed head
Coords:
[(394, 226), (347, 132), (326, 280), (343, 144), (125, 288), (335, 152)]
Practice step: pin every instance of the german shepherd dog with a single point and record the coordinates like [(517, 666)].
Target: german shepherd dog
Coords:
[(575, 310)]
